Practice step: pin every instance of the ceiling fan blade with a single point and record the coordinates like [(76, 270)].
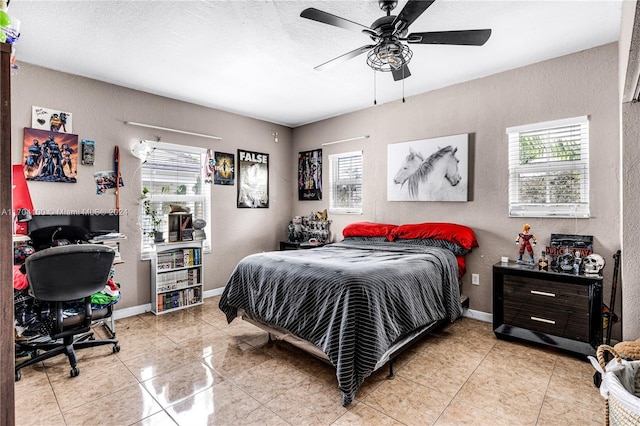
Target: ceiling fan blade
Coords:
[(401, 73), (327, 18), (343, 58), (411, 11), (467, 38)]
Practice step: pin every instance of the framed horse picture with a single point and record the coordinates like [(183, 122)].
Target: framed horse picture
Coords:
[(429, 169)]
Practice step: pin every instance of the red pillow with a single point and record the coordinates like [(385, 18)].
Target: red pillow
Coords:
[(462, 267), (458, 234), (367, 229)]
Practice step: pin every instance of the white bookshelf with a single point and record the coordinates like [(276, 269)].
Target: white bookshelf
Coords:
[(176, 276)]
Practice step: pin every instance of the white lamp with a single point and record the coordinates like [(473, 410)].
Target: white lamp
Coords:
[(141, 150)]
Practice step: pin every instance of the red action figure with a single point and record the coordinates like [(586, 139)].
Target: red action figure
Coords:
[(525, 239)]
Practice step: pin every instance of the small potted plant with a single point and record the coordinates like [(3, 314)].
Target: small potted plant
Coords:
[(153, 214)]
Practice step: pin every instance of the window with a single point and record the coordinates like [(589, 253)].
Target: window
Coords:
[(345, 183), (549, 169), (174, 175)]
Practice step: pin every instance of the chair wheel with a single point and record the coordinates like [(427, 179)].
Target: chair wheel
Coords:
[(18, 376), (116, 349), (74, 372)]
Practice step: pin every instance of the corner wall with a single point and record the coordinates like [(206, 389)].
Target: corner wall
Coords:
[(99, 112), (584, 83)]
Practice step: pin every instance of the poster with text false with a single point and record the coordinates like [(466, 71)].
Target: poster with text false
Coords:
[(253, 179)]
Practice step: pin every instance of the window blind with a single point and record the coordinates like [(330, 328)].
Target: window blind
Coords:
[(174, 175), (549, 169), (345, 183)]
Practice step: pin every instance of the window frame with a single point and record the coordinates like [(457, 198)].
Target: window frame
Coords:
[(333, 162), (547, 166), (147, 246)]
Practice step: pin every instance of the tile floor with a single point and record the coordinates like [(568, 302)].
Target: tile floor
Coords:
[(191, 368)]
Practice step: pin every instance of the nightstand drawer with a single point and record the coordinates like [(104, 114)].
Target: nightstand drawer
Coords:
[(558, 322), (550, 295)]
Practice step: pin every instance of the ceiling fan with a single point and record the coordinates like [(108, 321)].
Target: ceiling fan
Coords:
[(388, 32)]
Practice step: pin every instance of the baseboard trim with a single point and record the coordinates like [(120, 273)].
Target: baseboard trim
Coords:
[(477, 315), (129, 312), (141, 309)]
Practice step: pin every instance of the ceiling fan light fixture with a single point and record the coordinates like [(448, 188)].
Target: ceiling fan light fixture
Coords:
[(389, 56)]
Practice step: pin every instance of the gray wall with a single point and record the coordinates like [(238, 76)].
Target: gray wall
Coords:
[(99, 112), (584, 83)]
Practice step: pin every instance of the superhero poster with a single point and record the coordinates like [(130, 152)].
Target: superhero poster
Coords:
[(310, 175), (224, 169), (50, 156), (253, 179)]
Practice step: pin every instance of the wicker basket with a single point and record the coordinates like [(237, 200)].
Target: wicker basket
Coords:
[(620, 387)]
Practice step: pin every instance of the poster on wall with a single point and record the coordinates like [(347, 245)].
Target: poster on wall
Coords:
[(310, 175), (106, 180), (253, 179), (429, 169), (50, 156), (224, 168), (51, 119)]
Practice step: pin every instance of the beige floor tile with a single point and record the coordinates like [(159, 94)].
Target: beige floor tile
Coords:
[(310, 403), (159, 419), (269, 379), (154, 363), (126, 406), (137, 344), (34, 398), (222, 404), (234, 360), (461, 374), (181, 383), (408, 402), (363, 415), (91, 385), (561, 412), (459, 412)]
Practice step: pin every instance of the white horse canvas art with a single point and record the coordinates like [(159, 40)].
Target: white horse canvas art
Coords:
[(428, 169)]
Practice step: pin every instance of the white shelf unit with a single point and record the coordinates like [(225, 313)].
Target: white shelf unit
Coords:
[(177, 276)]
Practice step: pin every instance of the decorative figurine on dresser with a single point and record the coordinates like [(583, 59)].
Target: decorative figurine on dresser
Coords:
[(312, 229), (526, 240)]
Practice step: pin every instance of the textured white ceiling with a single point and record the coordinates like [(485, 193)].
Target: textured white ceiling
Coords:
[(256, 58)]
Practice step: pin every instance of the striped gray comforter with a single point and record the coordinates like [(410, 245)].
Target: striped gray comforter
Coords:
[(353, 300)]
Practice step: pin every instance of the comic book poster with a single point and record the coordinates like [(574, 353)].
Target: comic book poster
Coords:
[(224, 168), (51, 120), (253, 179), (50, 156), (310, 175)]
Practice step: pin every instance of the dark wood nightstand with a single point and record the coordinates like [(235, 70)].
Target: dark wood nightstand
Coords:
[(288, 245), (549, 308)]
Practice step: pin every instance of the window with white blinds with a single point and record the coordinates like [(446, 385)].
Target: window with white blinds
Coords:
[(345, 183), (549, 169), (174, 175)]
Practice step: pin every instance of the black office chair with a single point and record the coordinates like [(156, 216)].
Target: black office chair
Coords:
[(62, 275)]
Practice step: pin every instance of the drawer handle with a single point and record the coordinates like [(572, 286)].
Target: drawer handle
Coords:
[(543, 320), (542, 293)]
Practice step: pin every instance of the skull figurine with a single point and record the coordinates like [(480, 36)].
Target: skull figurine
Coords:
[(593, 264)]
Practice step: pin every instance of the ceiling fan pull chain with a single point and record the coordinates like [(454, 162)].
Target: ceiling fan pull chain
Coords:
[(403, 84), (375, 101)]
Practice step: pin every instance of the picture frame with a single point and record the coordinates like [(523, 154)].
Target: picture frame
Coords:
[(51, 120), (310, 175), (435, 169), (224, 169), (253, 179), (50, 156)]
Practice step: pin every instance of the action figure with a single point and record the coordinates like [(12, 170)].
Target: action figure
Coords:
[(526, 239)]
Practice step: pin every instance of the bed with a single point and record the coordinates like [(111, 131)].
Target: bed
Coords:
[(359, 301)]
